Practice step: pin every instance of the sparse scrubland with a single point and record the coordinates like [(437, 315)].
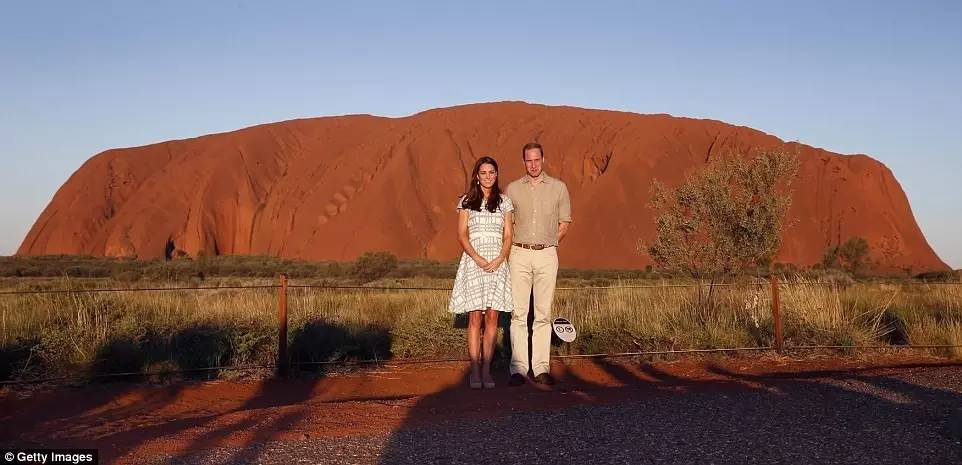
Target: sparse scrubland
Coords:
[(81, 334)]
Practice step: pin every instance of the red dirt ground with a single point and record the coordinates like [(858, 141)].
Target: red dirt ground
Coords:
[(129, 422)]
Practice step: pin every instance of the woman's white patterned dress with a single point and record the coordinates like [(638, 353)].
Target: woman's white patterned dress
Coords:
[(474, 288)]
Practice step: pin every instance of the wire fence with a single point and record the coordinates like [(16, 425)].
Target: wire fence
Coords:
[(448, 289), (283, 363)]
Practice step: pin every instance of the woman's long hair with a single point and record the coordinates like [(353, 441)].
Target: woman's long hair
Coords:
[(474, 196)]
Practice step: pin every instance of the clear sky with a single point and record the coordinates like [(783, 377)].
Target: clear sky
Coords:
[(875, 77)]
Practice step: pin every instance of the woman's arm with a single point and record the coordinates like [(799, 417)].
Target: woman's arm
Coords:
[(505, 245), (508, 234), (465, 241)]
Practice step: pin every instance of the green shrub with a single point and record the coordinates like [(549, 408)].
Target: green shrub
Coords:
[(727, 218), (372, 266), (850, 255)]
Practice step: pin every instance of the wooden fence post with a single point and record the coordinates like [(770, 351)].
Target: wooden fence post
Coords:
[(776, 314), (283, 362)]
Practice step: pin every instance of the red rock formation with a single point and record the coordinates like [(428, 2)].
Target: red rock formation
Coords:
[(333, 188)]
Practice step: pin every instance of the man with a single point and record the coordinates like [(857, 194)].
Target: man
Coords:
[(542, 213)]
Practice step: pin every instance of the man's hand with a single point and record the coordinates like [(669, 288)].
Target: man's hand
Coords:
[(562, 230)]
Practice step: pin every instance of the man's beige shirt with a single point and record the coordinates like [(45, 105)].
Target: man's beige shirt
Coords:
[(538, 208)]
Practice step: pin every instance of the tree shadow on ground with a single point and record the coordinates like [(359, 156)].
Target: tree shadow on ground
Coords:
[(316, 341), (182, 357), (144, 411)]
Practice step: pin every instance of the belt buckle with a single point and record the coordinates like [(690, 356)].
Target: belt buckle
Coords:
[(537, 246)]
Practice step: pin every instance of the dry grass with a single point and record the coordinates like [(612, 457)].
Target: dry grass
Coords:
[(80, 333)]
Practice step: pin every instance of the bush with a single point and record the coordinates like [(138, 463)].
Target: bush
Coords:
[(725, 219), (850, 255), (938, 276), (374, 265)]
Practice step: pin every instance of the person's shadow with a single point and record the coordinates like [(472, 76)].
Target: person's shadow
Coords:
[(608, 412)]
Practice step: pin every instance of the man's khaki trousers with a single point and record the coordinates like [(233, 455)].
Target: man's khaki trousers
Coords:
[(537, 269)]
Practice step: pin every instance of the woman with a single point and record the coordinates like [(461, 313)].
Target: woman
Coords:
[(482, 285)]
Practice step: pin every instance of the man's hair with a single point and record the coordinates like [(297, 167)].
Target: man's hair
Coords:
[(532, 146)]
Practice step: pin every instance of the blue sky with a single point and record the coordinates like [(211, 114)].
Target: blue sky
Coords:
[(882, 78)]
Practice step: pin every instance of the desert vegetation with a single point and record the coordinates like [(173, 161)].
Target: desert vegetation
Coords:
[(81, 333)]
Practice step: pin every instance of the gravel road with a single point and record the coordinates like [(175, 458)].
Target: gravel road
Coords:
[(885, 416)]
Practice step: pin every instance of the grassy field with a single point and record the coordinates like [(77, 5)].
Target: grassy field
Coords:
[(78, 334)]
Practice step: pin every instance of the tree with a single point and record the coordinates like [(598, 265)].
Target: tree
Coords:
[(724, 219)]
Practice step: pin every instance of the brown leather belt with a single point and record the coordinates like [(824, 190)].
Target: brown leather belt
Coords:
[(531, 246)]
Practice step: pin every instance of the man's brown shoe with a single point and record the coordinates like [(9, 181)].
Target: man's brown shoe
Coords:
[(544, 378), (517, 379)]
